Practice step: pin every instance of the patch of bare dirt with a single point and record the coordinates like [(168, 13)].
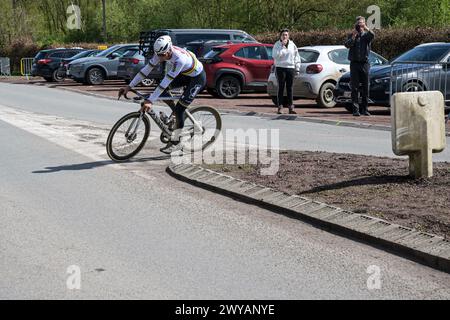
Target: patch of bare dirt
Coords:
[(375, 186)]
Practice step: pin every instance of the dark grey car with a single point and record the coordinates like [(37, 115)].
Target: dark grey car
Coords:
[(426, 67), (95, 70), (130, 64)]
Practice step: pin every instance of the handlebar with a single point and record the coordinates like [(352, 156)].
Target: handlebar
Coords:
[(145, 96), (140, 95)]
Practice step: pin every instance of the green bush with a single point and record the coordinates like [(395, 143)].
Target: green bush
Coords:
[(26, 48), (389, 42)]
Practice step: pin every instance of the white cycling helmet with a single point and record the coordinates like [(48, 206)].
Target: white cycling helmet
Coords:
[(162, 45)]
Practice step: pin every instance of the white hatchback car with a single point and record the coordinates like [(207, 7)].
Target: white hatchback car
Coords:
[(321, 67)]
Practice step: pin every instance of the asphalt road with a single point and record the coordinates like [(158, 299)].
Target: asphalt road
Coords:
[(294, 135), (135, 232)]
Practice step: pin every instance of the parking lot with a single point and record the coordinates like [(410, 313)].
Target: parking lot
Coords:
[(247, 102)]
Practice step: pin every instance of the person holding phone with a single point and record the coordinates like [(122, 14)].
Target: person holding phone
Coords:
[(359, 42), (287, 64)]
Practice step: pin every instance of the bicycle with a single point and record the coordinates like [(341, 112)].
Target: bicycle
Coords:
[(199, 121)]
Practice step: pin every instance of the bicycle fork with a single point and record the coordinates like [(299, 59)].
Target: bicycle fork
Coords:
[(133, 128)]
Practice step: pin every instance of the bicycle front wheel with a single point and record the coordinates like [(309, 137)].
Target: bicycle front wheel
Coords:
[(128, 136), (210, 122)]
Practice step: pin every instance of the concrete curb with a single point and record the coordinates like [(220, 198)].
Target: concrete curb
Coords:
[(424, 248), (360, 125)]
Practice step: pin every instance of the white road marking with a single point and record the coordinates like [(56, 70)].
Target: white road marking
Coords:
[(89, 138)]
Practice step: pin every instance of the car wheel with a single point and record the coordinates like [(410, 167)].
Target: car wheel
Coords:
[(212, 92), (326, 96), (56, 76), (413, 87), (228, 87), (95, 76), (147, 82)]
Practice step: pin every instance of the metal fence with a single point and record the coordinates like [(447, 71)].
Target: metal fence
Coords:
[(421, 76), (5, 66), (26, 64)]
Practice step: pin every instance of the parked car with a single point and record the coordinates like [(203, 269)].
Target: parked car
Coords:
[(95, 70), (232, 68), (425, 67), (46, 62), (130, 64), (200, 47), (180, 37), (321, 68), (62, 70)]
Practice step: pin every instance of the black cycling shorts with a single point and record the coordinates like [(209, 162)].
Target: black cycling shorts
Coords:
[(192, 87)]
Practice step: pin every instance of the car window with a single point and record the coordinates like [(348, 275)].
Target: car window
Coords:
[(130, 53), (376, 60), (104, 53), (214, 52), (59, 54), (428, 53), (308, 56), (92, 53), (243, 38), (182, 39), (269, 52), (252, 52), (70, 54), (40, 55), (123, 50), (339, 56), (81, 54)]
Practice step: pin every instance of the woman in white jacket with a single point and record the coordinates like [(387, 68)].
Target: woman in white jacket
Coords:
[(287, 64)]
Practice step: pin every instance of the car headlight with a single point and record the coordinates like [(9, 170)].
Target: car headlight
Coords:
[(383, 80)]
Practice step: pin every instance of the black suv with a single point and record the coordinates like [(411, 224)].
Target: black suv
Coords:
[(46, 63)]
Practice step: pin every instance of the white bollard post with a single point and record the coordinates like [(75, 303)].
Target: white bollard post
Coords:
[(418, 129)]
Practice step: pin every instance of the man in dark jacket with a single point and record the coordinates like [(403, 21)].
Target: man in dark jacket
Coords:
[(359, 43)]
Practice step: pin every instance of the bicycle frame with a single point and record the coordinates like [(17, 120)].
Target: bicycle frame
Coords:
[(164, 128)]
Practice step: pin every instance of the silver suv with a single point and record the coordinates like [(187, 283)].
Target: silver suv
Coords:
[(95, 70)]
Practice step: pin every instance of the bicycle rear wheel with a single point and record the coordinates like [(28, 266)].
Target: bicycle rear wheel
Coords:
[(128, 136), (211, 123)]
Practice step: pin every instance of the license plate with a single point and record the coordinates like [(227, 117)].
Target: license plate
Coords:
[(347, 94)]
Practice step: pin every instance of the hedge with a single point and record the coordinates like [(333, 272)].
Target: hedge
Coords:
[(26, 48), (388, 42)]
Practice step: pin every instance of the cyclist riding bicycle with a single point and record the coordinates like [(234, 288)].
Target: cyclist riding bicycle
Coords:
[(184, 71)]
